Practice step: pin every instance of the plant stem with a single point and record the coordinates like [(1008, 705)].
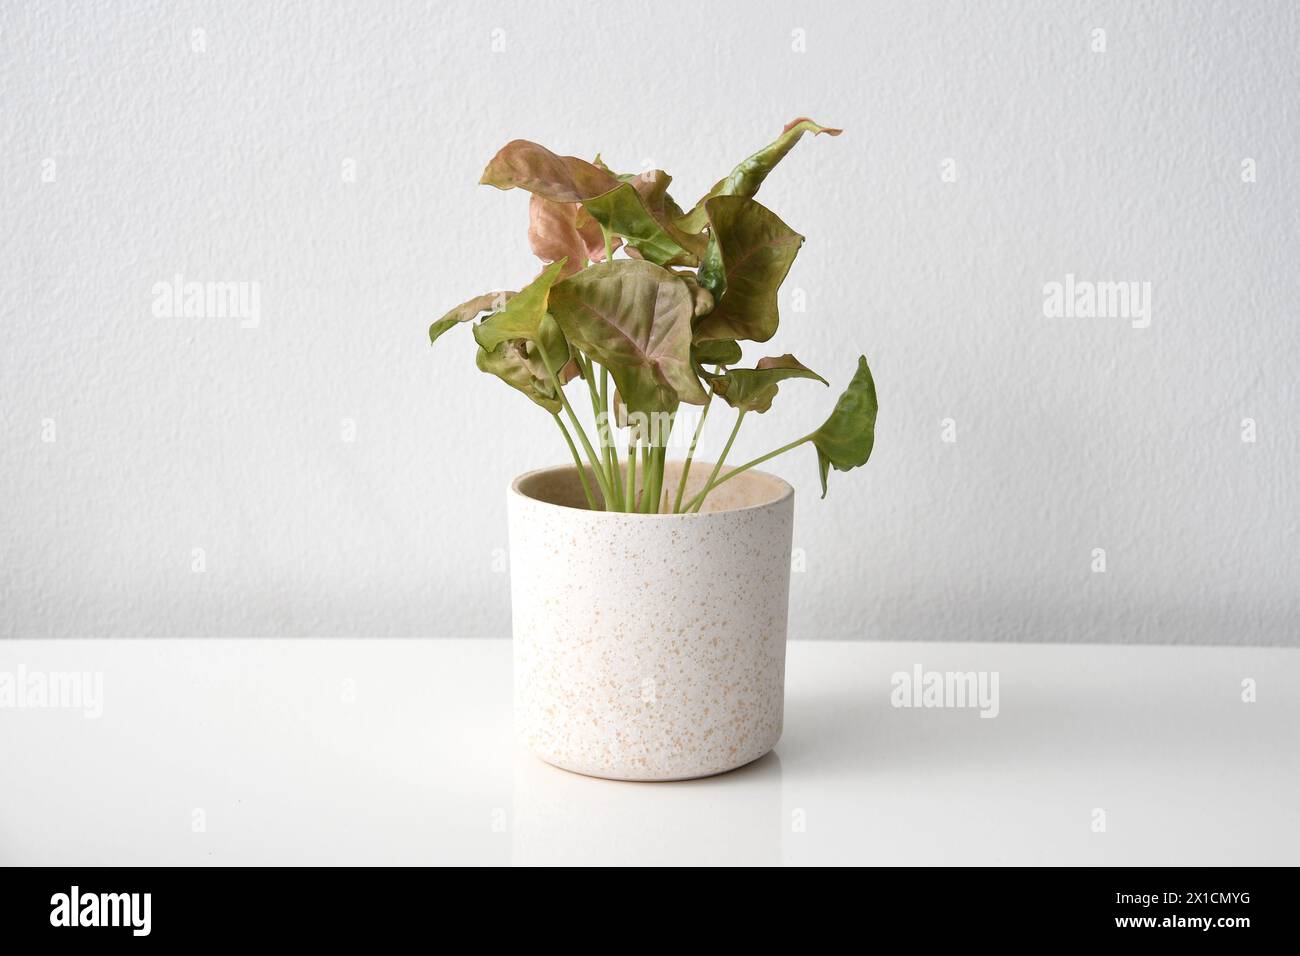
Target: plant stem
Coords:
[(699, 499), (660, 463), (573, 420), (609, 244), (646, 479), (690, 454), (661, 496), (629, 499), (650, 464), (590, 377), (614, 468), (582, 471)]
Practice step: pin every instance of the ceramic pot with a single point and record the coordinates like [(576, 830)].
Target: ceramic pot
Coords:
[(650, 647)]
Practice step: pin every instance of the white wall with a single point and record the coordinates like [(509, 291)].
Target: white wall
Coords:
[(1072, 434)]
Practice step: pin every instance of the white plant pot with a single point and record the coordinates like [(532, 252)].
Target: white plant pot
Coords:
[(650, 647)]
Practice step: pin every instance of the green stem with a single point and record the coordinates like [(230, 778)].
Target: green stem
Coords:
[(690, 454), (629, 501), (647, 479), (699, 499), (582, 471), (590, 378), (661, 497), (573, 420), (609, 244), (615, 468), (660, 462)]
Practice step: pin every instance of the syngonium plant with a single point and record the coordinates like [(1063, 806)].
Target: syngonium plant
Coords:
[(665, 323)]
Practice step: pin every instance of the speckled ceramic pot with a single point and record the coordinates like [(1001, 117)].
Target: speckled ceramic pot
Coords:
[(650, 647)]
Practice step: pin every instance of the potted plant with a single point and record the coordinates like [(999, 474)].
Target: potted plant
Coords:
[(649, 596)]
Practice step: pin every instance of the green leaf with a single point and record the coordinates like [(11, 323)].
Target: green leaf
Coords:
[(513, 364), (846, 438), (551, 341), (652, 186), (745, 179), (752, 389), (712, 274), (468, 311), (623, 211), (634, 318), (523, 313), (716, 352), (750, 252)]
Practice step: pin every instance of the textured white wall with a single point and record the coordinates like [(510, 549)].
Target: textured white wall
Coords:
[(227, 163)]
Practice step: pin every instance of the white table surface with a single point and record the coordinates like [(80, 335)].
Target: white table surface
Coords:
[(401, 751)]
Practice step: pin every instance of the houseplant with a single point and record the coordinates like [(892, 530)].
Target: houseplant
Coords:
[(650, 596)]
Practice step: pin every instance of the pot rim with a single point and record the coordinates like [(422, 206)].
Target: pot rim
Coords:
[(786, 491)]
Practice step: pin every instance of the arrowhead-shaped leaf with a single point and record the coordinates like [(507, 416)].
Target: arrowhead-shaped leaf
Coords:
[(468, 311), (623, 211), (634, 318), (752, 389), (614, 203), (524, 165), (750, 251), (512, 363), (652, 186), (519, 363), (845, 439), (522, 315), (745, 179)]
